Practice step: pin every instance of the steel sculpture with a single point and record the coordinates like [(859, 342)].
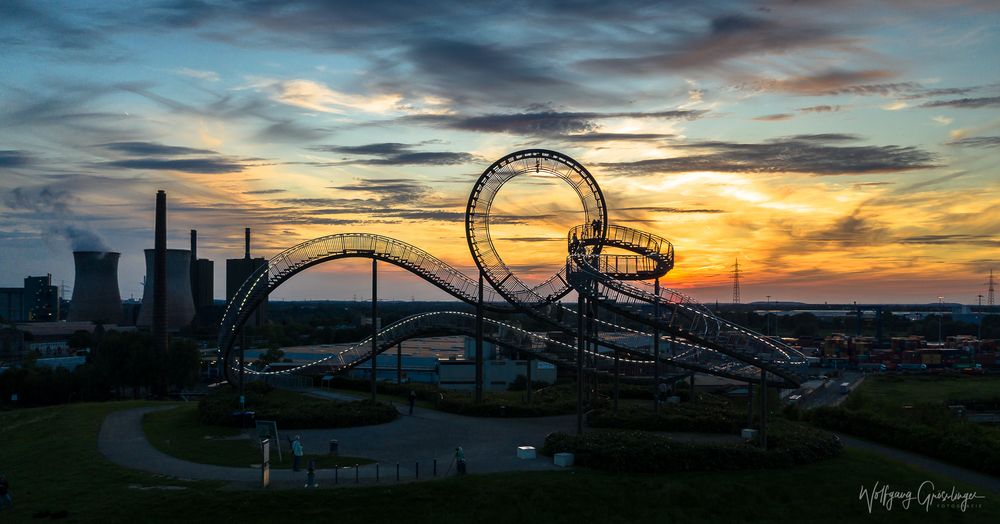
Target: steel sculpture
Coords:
[(697, 339)]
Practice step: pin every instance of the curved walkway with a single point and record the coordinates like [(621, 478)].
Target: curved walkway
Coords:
[(489, 444), (427, 435)]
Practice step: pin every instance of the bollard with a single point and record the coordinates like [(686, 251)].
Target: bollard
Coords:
[(416, 470), (357, 478), (397, 472), (435, 467), (376, 472), (336, 474)]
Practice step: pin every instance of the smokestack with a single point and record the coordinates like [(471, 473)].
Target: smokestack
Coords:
[(246, 251), (160, 276), (95, 291), (194, 263), (194, 245)]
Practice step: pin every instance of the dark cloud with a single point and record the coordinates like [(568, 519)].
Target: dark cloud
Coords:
[(851, 229), (187, 165), (287, 131), (725, 37), (388, 191), (942, 91), (13, 158), (950, 239), (834, 82), (827, 137), (613, 137), (45, 26), (819, 109), (396, 154), (793, 155), (533, 239), (153, 149), (775, 117), (542, 123), (977, 141), (657, 209), (264, 191), (450, 67), (966, 103)]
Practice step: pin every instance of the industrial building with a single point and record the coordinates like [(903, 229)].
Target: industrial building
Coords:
[(202, 281), (237, 271), (179, 303), (95, 289), (37, 301)]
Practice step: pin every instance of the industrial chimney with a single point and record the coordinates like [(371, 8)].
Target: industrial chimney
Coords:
[(95, 291), (179, 303)]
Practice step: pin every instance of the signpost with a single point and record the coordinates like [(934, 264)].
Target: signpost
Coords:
[(268, 429), (265, 465)]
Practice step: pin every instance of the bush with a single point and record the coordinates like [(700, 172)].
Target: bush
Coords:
[(642, 452), (961, 443), (710, 414), (293, 411)]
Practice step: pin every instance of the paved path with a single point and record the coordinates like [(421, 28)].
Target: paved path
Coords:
[(973, 478), (490, 446)]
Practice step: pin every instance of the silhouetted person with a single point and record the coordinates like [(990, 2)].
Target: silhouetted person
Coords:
[(596, 224), (296, 453), (413, 400), (460, 460), (574, 246), (5, 497)]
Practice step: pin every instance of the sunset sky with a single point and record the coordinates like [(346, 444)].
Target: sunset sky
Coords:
[(842, 150)]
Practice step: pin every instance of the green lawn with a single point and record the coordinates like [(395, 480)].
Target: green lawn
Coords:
[(894, 392), (51, 458), (178, 432)]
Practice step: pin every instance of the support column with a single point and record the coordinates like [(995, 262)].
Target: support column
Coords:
[(399, 363), (243, 347), (763, 408), (579, 362), (692, 388), (656, 346), (528, 377), (479, 342), (374, 328), (750, 387), (617, 372)]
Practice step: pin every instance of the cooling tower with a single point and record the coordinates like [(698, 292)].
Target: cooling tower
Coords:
[(179, 303), (95, 290)]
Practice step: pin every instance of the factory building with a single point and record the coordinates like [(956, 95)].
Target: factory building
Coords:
[(12, 304), (237, 271), (202, 281), (37, 301), (95, 290)]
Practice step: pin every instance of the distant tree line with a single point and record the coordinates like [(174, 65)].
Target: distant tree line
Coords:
[(120, 365)]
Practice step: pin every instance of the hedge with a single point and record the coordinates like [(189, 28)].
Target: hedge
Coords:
[(961, 443), (709, 414), (643, 452), (294, 411)]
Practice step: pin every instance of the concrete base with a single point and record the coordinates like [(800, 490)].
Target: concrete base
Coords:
[(526, 452), (563, 460), (749, 434), (674, 400)]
